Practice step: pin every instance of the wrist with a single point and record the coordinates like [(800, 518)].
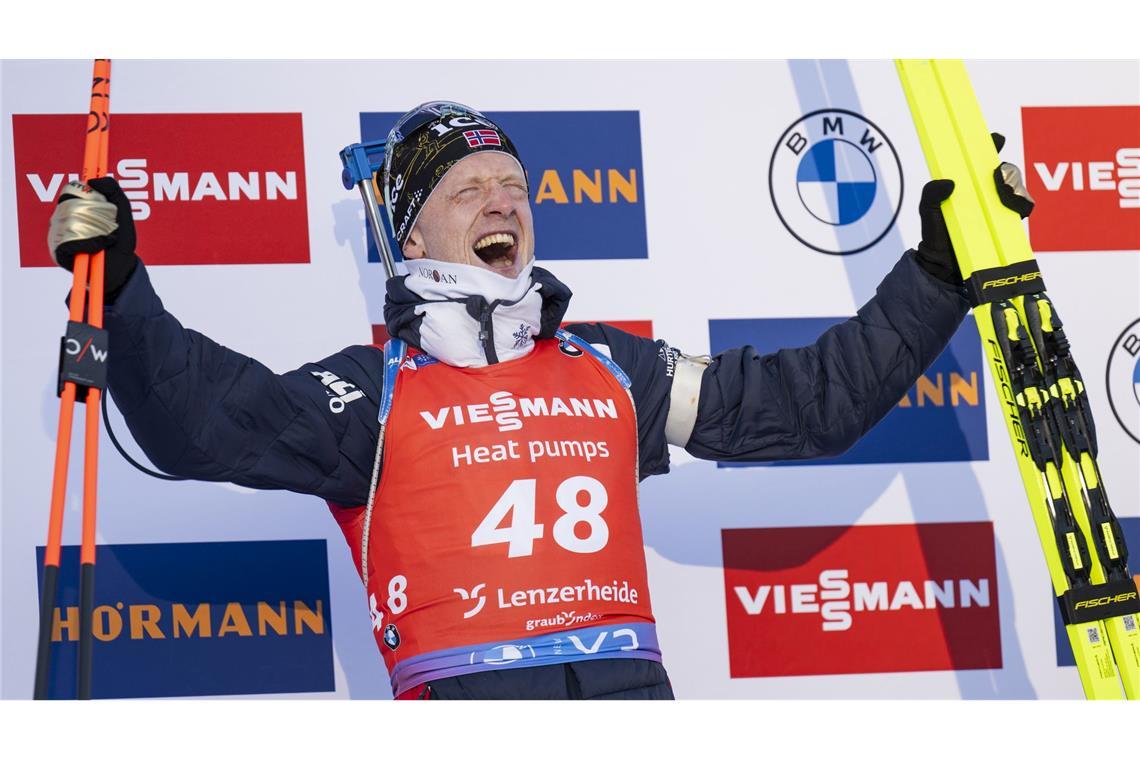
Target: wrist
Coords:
[(938, 264), (117, 276)]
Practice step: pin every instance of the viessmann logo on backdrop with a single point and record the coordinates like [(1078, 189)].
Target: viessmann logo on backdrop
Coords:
[(1083, 169), (199, 619), (941, 419), (204, 188), (586, 185), (863, 599)]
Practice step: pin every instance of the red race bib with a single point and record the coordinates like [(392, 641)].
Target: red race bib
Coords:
[(505, 530)]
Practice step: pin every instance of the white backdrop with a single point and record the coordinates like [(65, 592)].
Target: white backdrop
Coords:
[(717, 250)]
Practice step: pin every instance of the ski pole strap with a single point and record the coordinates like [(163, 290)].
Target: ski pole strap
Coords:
[(1002, 283), (1101, 601), (83, 357)]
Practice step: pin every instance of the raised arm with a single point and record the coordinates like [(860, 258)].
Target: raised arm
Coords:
[(819, 400), (814, 401), (200, 410)]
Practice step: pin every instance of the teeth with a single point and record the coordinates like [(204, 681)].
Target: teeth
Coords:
[(498, 237)]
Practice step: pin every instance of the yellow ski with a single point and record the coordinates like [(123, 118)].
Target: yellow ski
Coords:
[(1039, 386)]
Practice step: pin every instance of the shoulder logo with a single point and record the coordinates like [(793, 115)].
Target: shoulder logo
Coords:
[(836, 181), (669, 357), (340, 392), (569, 349)]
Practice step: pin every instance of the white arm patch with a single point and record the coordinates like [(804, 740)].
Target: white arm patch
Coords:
[(683, 398)]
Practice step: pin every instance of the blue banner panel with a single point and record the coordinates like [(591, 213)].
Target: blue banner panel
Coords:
[(941, 419), (586, 186), (198, 619), (1131, 528)]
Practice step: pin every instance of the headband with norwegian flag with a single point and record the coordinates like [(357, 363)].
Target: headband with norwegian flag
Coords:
[(418, 160)]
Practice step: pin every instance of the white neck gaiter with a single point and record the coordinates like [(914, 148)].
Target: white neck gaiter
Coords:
[(474, 317)]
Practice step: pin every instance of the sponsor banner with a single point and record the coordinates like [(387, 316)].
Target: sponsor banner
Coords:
[(639, 327), (862, 599), (204, 188), (1131, 528), (586, 186), (198, 619), (1123, 380), (1083, 168), (941, 419), (836, 181)]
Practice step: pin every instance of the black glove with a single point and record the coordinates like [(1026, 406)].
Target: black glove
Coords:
[(935, 253), (91, 218)]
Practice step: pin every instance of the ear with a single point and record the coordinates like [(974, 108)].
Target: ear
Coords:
[(414, 248)]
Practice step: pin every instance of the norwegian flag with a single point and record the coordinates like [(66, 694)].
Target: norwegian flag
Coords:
[(477, 137)]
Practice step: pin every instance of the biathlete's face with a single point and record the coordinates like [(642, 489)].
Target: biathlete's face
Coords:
[(479, 214)]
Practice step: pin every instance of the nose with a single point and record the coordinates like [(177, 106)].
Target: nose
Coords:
[(499, 201)]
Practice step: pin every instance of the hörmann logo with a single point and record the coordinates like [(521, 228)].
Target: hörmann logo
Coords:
[(585, 175), (237, 180), (862, 599), (187, 621), (199, 619), (1083, 169), (947, 403), (836, 181)]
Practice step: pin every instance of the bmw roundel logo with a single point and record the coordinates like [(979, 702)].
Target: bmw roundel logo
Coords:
[(569, 349), (836, 181), (392, 636), (1122, 377)]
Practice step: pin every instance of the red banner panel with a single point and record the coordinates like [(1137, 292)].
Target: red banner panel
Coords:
[(862, 599), (204, 188), (1082, 166)]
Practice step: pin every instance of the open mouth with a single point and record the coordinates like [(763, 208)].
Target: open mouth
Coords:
[(497, 250)]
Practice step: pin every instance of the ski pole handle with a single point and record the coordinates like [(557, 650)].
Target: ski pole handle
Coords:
[(361, 162)]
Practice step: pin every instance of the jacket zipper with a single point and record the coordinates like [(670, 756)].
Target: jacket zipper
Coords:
[(487, 332)]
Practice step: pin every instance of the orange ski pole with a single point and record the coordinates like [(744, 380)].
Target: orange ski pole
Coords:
[(86, 290)]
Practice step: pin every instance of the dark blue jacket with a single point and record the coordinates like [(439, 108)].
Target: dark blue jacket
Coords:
[(200, 410)]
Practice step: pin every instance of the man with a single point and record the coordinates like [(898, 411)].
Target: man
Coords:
[(493, 513)]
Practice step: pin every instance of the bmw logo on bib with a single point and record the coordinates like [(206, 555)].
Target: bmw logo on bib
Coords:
[(836, 182), (391, 636)]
